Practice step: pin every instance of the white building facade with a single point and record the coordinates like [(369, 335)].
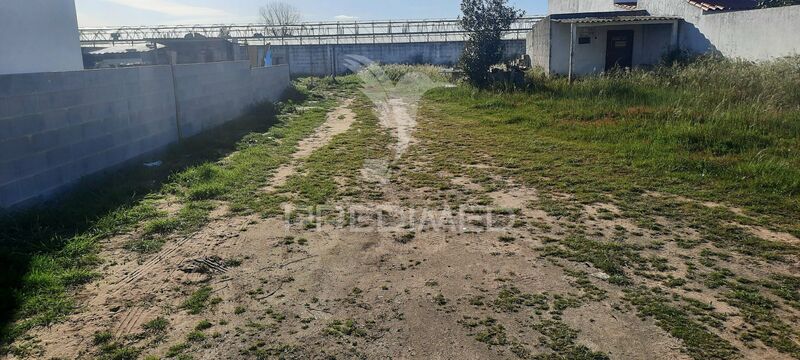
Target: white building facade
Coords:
[(39, 36), (581, 37)]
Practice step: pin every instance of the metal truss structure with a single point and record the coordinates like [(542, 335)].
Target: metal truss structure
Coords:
[(358, 32)]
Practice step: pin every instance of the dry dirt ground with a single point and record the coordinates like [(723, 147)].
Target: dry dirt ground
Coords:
[(396, 282)]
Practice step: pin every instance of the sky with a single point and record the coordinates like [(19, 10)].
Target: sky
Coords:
[(171, 12)]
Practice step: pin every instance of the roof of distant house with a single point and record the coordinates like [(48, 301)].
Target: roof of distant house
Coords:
[(616, 19), (628, 5), (721, 5), (122, 49), (637, 16)]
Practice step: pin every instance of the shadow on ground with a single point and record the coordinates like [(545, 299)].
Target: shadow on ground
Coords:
[(41, 233)]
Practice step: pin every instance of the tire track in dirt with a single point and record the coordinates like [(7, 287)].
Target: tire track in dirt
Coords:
[(171, 250), (119, 303), (131, 321), (398, 116), (338, 122)]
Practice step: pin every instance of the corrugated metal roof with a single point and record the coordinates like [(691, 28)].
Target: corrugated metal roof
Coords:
[(720, 5), (614, 19), (122, 49)]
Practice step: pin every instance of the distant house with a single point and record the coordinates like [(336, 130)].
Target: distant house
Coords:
[(193, 49), (580, 37), (125, 56)]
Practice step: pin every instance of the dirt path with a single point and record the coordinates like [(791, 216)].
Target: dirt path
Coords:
[(398, 116), (429, 265), (338, 121), (368, 292), (134, 291)]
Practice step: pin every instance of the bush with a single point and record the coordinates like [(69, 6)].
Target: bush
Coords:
[(485, 21), (709, 83)]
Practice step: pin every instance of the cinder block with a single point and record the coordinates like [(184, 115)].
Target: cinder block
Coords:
[(59, 156), (23, 167), (18, 85), (54, 119), (9, 194), (21, 126), (16, 148), (16, 106), (92, 146)]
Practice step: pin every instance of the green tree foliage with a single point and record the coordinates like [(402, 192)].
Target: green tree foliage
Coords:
[(485, 21)]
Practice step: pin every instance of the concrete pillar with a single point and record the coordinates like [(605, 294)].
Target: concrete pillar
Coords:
[(573, 33), (675, 35)]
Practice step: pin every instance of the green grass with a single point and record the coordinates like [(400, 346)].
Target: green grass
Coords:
[(176, 350), (511, 300), (611, 257), (339, 328), (47, 251), (198, 301), (700, 342), (158, 325), (715, 130), (343, 158), (203, 325), (396, 72), (562, 341)]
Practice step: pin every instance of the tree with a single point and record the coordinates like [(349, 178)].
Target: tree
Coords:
[(224, 32), (485, 21), (278, 17)]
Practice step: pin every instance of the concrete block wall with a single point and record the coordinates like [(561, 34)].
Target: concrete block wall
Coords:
[(57, 128), (263, 82), (210, 94), (538, 45), (318, 60)]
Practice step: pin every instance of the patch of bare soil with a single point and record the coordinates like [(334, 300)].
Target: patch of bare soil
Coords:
[(772, 235), (338, 122), (135, 290), (406, 277), (398, 116), (620, 334)]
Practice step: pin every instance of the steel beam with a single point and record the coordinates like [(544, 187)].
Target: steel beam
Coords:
[(320, 32)]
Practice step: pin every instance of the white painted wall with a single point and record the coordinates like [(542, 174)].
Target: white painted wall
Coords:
[(39, 36), (580, 6), (761, 34), (650, 42), (538, 45), (757, 35)]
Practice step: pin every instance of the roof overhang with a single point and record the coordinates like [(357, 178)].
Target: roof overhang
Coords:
[(614, 19)]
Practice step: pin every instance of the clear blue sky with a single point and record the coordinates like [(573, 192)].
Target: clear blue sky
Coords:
[(151, 12)]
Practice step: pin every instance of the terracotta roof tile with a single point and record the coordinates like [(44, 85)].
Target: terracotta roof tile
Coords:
[(719, 5)]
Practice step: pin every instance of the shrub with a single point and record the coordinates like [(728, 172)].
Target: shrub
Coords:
[(485, 21)]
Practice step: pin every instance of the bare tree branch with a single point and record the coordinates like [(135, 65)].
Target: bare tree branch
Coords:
[(278, 17)]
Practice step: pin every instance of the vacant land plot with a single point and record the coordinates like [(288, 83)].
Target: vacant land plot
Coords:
[(627, 217)]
